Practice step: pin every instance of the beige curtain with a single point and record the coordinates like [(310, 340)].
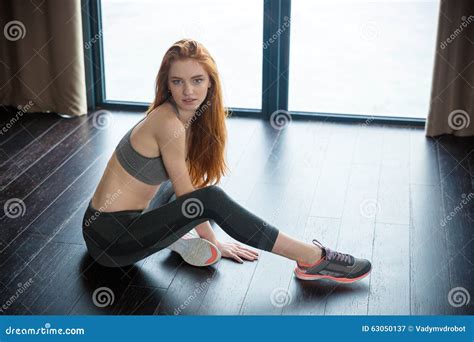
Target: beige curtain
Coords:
[(41, 56), (452, 95)]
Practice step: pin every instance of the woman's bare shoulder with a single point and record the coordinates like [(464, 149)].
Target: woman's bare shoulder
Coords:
[(164, 121)]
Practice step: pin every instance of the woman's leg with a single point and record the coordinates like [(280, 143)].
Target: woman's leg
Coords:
[(285, 245), (165, 194), (193, 249), (198, 206), (297, 250), (158, 228), (153, 230)]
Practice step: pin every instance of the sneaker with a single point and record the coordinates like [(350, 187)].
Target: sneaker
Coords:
[(343, 268), (196, 251)]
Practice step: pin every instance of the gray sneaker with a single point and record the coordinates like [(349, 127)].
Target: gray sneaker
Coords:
[(340, 267), (196, 251)]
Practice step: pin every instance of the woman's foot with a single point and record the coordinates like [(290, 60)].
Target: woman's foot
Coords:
[(343, 268), (196, 251)]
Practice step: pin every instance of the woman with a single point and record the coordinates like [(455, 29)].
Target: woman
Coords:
[(182, 139)]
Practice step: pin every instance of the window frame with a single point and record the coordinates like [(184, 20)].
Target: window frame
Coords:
[(275, 71)]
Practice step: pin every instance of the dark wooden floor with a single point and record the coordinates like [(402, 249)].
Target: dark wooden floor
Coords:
[(374, 191)]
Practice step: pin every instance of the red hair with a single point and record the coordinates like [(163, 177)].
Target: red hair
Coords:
[(208, 134)]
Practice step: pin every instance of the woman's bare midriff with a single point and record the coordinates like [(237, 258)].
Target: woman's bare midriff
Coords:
[(118, 190)]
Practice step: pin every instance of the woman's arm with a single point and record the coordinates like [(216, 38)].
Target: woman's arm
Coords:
[(205, 231), (171, 140)]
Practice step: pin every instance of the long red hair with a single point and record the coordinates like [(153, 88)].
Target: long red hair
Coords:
[(208, 133)]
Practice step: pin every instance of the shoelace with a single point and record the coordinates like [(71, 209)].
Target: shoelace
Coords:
[(333, 255)]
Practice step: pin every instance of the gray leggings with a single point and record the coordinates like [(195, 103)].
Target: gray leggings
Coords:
[(121, 238)]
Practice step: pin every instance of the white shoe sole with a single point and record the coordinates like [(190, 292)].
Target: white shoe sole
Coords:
[(196, 251)]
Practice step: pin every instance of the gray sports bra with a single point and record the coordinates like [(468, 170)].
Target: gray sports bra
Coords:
[(148, 170)]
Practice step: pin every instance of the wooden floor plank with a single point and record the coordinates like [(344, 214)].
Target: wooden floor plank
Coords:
[(375, 191), (390, 277), (251, 166), (268, 292), (458, 205), (429, 270), (139, 300), (356, 231), (229, 286), (26, 135), (54, 286), (310, 297)]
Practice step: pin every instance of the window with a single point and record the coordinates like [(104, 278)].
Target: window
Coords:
[(362, 57), (136, 34)]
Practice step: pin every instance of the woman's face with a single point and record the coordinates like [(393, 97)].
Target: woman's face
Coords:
[(188, 80)]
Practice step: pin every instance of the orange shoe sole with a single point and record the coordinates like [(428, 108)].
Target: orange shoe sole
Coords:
[(303, 276)]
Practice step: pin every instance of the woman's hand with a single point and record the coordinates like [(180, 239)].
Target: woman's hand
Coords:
[(235, 251)]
